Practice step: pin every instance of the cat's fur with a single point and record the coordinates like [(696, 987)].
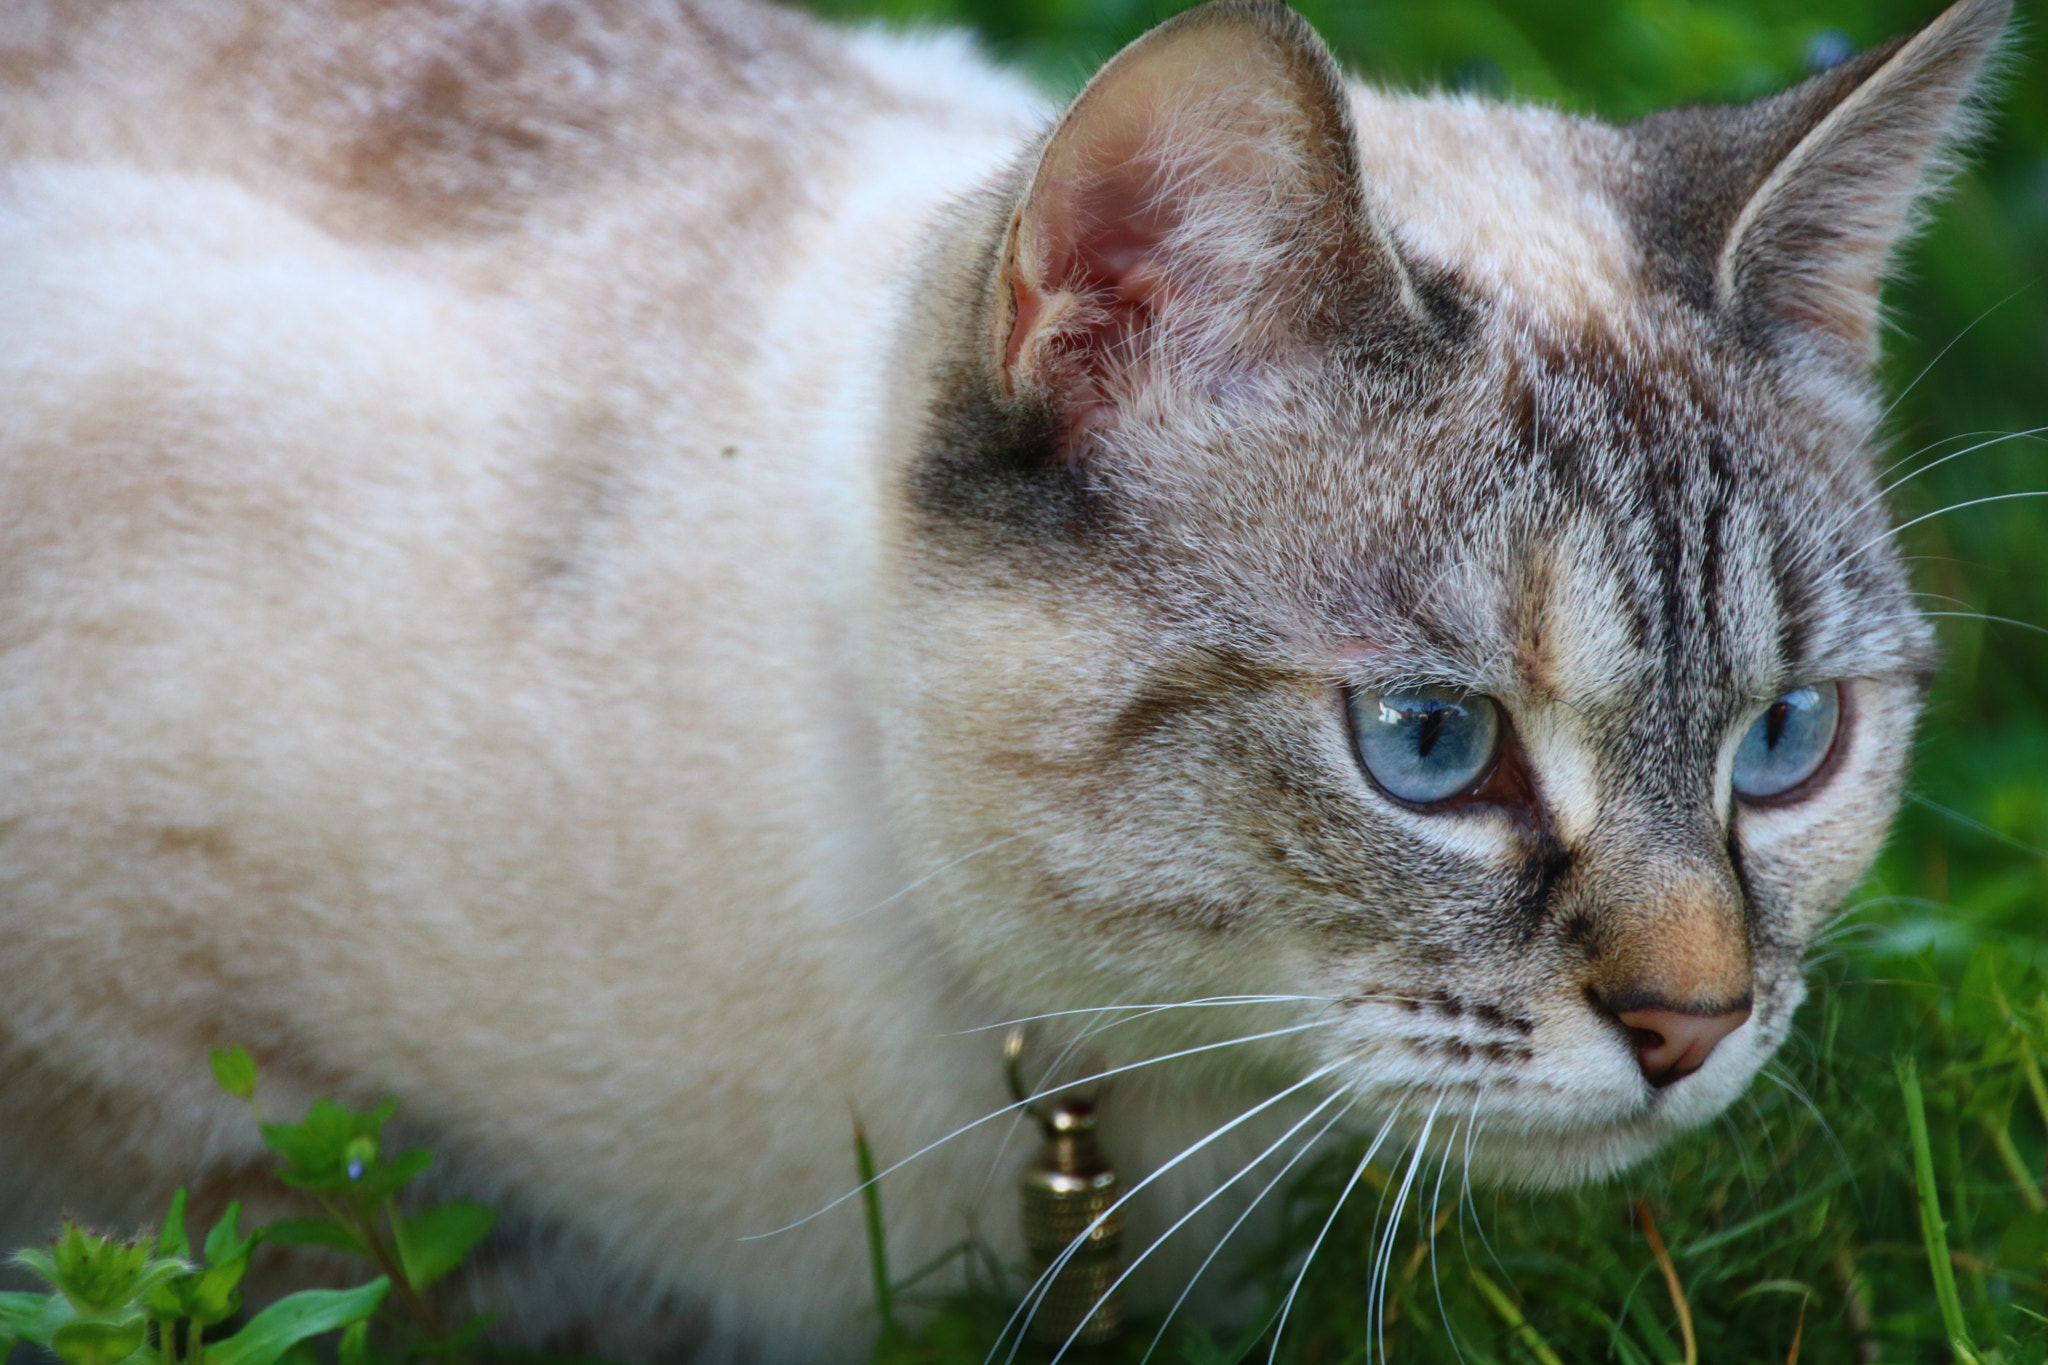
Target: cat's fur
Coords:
[(525, 527)]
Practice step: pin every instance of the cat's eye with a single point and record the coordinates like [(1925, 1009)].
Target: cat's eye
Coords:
[(1789, 742), (1425, 744)]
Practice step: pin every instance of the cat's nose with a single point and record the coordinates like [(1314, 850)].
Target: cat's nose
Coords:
[(1672, 1044)]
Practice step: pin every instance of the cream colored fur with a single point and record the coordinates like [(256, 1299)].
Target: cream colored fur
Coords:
[(459, 636)]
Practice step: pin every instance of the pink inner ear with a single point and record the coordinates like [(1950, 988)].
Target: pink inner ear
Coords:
[(1098, 284)]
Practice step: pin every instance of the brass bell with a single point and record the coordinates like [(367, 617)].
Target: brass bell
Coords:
[(1066, 1188)]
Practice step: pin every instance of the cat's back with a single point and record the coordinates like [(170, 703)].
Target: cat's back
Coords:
[(444, 117), (287, 252)]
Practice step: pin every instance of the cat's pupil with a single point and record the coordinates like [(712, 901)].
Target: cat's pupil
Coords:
[(1774, 722), (1426, 732)]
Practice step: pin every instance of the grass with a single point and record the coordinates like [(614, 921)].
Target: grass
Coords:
[(1878, 1197), (1878, 1200)]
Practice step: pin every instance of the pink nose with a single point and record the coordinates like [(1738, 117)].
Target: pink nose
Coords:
[(1671, 1045)]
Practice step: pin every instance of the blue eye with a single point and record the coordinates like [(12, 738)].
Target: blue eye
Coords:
[(1789, 741), (1425, 744)]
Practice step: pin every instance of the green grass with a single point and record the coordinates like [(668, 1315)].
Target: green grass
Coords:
[(1907, 1114), (1821, 1207)]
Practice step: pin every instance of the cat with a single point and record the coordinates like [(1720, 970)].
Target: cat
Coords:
[(639, 576)]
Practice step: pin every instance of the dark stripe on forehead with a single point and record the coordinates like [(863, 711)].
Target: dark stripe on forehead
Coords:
[(1713, 560), (1795, 621)]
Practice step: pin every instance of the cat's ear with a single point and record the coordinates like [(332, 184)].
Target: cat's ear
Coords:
[(1197, 208), (1785, 214)]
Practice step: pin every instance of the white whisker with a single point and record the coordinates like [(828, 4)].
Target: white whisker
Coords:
[(900, 893), (1436, 1278), (1939, 512), (1384, 1265), (1917, 614), (1207, 1002), (1230, 1231), (1832, 524), (1929, 366), (1207, 1200), (1775, 1074), (1856, 509), (1478, 1225), (1287, 1304), (1977, 825), (1020, 1104), (1036, 1294)]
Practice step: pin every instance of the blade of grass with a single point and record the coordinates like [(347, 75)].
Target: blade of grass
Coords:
[(1505, 1306), (2009, 1155), (1692, 1345), (878, 1242), (1932, 1230)]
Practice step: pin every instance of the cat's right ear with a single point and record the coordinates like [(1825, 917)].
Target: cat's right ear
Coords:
[(1197, 211)]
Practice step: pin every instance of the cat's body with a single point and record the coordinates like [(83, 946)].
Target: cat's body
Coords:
[(523, 530)]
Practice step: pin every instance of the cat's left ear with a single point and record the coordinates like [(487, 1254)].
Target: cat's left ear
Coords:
[(1196, 210), (1783, 215)]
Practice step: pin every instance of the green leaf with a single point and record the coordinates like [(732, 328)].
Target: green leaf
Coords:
[(292, 1320), (21, 1315), (235, 1071), (314, 1232), (214, 1295), (172, 1240), (99, 1343), (433, 1242), (225, 1242)]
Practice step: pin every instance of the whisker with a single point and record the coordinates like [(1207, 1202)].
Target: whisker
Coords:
[(1287, 1305), (1230, 1231), (1478, 1224), (1074, 1045), (1977, 825), (1775, 1075), (1841, 520), (1020, 1104), (1206, 1002), (899, 894), (1046, 1085), (1944, 511), (1207, 1200), (1384, 1259), (1742, 1155), (1933, 445), (1992, 438), (1929, 366), (1035, 1296), (1436, 1278), (1372, 1232), (1960, 615)]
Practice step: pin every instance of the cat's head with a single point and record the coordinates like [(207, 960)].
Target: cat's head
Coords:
[(1423, 555)]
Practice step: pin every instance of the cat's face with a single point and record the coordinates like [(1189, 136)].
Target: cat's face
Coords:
[(1293, 608)]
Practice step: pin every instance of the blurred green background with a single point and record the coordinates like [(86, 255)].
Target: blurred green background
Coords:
[(1791, 1219)]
